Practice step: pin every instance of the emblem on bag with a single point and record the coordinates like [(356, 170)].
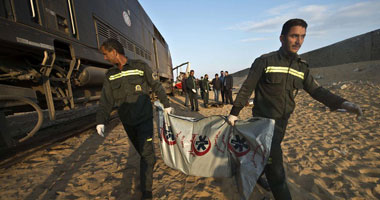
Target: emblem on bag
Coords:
[(168, 137), (200, 145), (138, 88), (238, 145)]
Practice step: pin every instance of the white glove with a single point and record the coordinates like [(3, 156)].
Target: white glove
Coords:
[(169, 110), (100, 129), (232, 119), (352, 108), (194, 91)]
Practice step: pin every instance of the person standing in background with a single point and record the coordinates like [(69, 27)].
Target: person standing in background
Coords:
[(184, 89), (200, 84), (191, 84), (222, 88), (206, 90), (216, 86), (228, 85)]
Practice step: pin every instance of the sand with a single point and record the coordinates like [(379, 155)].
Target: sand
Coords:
[(327, 155)]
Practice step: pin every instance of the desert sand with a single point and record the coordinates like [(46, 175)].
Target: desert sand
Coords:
[(327, 155)]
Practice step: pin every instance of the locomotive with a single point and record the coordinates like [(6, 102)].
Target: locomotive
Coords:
[(50, 56)]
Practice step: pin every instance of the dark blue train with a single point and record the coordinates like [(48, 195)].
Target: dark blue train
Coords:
[(49, 53)]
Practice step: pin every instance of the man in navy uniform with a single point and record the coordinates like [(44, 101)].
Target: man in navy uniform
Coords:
[(222, 88), (206, 90), (228, 85), (276, 78), (126, 86), (191, 84)]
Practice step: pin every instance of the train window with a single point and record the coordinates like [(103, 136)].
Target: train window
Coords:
[(62, 24)]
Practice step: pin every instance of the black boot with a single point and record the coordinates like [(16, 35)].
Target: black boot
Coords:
[(147, 195)]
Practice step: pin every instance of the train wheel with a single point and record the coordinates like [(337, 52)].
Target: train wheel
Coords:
[(34, 105)]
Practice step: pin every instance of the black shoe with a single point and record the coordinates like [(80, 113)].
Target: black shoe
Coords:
[(263, 183), (147, 195), (197, 110)]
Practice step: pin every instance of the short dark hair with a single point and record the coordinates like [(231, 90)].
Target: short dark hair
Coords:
[(292, 22), (111, 44), (216, 75), (226, 72), (191, 71)]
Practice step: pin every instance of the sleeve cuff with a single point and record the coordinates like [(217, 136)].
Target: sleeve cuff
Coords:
[(166, 104), (235, 110), (338, 105)]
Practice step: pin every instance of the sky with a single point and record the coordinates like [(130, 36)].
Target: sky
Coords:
[(215, 35)]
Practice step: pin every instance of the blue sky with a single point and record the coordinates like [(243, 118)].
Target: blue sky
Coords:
[(216, 35)]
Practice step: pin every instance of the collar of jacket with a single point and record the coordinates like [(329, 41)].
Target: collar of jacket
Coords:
[(115, 67), (282, 54)]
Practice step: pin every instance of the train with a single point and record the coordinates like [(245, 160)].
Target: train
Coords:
[(50, 58)]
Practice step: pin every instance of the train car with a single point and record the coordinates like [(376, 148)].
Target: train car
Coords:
[(50, 50)]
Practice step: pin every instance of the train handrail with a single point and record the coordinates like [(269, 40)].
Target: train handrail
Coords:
[(35, 106), (71, 17), (32, 7)]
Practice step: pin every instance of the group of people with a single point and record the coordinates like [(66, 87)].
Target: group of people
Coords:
[(275, 78), (221, 86)]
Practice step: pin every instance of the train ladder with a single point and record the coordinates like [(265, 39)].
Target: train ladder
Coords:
[(46, 70)]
